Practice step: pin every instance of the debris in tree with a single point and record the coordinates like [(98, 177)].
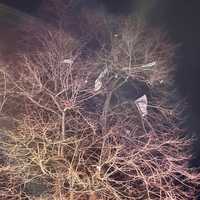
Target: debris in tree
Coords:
[(141, 104), (98, 81), (67, 61), (152, 64), (98, 85)]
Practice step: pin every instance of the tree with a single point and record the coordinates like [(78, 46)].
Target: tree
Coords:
[(73, 151)]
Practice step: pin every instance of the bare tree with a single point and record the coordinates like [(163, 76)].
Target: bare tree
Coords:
[(73, 152)]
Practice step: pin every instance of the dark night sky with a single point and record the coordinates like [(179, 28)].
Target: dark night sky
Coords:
[(181, 19), (23, 5), (123, 6)]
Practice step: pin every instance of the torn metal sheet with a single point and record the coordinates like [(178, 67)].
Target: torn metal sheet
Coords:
[(98, 82), (142, 104), (152, 64)]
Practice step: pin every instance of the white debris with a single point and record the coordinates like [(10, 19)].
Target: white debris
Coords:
[(98, 168), (127, 131), (141, 104), (161, 81), (103, 73), (98, 83), (149, 64), (67, 61)]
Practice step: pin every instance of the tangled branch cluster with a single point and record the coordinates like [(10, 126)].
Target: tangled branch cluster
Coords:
[(72, 142)]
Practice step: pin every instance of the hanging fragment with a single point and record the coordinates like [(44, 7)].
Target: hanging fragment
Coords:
[(149, 64), (98, 82), (141, 104)]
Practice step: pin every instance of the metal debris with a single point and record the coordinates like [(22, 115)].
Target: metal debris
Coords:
[(98, 82), (149, 64), (141, 104)]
